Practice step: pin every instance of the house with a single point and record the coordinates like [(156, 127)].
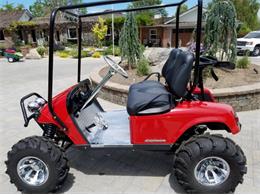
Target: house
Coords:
[(7, 17), (36, 30), (66, 29), (162, 34)]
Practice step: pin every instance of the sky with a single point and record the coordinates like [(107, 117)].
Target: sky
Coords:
[(170, 11)]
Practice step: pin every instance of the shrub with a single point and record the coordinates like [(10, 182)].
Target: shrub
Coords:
[(243, 63), (143, 67), (63, 54), (2, 48), (74, 53), (41, 51), (109, 51), (96, 55), (84, 54)]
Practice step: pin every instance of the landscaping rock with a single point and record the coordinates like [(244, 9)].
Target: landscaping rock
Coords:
[(33, 54), (156, 56)]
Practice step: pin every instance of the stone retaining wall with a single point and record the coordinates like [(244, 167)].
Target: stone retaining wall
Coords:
[(241, 98)]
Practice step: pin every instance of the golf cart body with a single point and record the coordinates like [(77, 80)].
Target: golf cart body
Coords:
[(12, 55), (170, 116)]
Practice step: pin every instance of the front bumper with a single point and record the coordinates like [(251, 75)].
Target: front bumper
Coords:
[(245, 48)]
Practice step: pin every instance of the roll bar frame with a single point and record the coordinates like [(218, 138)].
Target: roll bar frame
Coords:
[(65, 9)]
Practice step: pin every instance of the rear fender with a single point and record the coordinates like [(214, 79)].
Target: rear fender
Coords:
[(215, 116), (167, 128)]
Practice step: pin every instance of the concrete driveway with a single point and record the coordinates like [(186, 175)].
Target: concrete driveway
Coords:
[(102, 171), (255, 60)]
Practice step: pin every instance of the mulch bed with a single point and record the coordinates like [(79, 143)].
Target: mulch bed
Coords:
[(227, 78)]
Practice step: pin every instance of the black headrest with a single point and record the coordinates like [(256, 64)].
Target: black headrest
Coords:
[(178, 75), (170, 61)]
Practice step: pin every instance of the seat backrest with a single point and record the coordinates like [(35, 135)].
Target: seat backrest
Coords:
[(170, 61), (179, 73)]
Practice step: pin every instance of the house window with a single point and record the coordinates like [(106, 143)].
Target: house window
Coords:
[(20, 35), (33, 33), (153, 34), (72, 33), (109, 32), (2, 36)]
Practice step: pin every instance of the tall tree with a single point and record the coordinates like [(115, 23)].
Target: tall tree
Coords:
[(145, 17), (129, 42), (246, 14), (38, 9), (220, 31), (184, 8), (44, 7), (100, 30), (11, 7)]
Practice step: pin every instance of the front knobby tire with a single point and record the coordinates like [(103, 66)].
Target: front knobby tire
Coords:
[(32, 155), (209, 164)]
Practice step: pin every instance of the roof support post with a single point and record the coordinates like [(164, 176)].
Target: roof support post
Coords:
[(177, 26), (79, 48)]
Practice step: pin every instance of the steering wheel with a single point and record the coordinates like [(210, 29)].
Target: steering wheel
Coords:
[(115, 66)]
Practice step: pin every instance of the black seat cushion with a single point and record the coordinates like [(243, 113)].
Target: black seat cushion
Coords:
[(151, 97), (150, 100)]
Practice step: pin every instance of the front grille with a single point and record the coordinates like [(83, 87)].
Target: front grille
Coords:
[(241, 43)]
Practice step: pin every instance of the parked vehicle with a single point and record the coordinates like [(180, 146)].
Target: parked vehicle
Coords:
[(162, 117), (250, 43), (12, 55)]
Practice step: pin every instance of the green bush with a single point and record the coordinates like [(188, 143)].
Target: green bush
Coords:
[(109, 51), (84, 54), (74, 53), (96, 55), (243, 63), (41, 51), (143, 67), (64, 54), (2, 48)]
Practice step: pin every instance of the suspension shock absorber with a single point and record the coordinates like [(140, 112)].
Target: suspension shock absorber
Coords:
[(49, 130)]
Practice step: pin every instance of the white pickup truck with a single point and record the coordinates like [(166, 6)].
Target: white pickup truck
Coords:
[(251, 42)]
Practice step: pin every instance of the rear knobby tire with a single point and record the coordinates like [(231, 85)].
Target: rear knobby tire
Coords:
[(47, 152), (198, 148)]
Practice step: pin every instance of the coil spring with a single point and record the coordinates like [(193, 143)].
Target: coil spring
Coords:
[(49, 130)]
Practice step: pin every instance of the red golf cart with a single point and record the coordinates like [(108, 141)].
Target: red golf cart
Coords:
[(173, 116)]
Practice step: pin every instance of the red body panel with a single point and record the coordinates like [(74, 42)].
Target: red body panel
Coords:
[(60, 108), (162, 128), (167, 128), (208, 95)]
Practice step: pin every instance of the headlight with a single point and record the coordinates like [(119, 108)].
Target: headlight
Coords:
[(33, 106), (250, 43), (40, 101)]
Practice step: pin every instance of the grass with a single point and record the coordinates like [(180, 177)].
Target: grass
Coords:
[(243, 63)]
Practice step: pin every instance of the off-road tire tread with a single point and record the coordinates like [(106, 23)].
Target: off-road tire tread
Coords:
[(44, 145), (184, 155)]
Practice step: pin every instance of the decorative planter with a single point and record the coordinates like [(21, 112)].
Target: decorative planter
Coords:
[(242, 98)]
